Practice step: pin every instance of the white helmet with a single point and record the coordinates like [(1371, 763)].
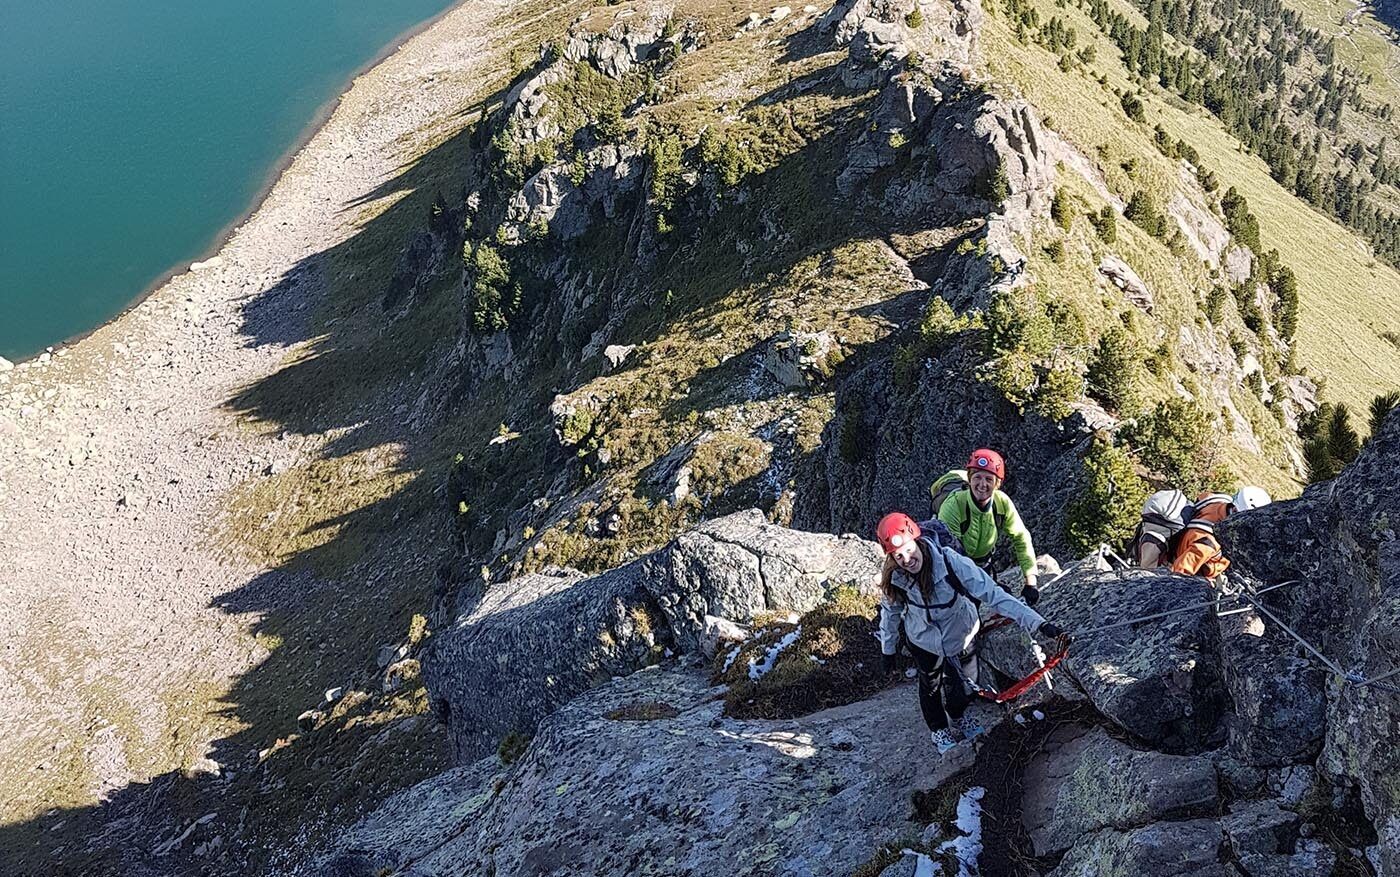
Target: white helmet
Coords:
[(1247, 498)]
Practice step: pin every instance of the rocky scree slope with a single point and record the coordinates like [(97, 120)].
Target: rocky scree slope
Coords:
[(1199, 743)]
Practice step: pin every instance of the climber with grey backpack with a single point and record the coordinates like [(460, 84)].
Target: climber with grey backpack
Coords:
[(932, 591), (1177, 533)]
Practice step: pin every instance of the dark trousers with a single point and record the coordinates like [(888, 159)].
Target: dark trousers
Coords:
[(943, 689)]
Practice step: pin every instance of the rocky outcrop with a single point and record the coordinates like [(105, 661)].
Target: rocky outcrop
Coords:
[(549, 203), (1084, 781), (552, 202), (1340, 540), (647, 776), (1182, 849), (1204, 233), (1159, 681), (880, 38), (1138, 773), (621, 47), (909, 438), (797, 359), (533, 643), (1279, 714), (1122, 275)]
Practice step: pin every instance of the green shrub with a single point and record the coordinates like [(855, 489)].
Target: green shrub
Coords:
[(1284, 285), (1108, 507), (915, 19), (1059, 389), (1215, 303), (576, 426), (908, 362), (993, 185), (1142, 209), (493, 297), (722, 152), (1178, 442), (1329, 441), (664, 154), (511, 747), (1056, 251), (1242, 224), (1132, 107), (607, 121), (1020, 335), (1115, 371), (1105, 223), (1162, 361), (1061, 210), (941, 323)]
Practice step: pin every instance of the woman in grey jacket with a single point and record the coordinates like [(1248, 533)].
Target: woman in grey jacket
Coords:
[(926, 586)]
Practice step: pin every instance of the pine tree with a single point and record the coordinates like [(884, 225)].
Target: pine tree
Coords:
[(1381, 406), (1061, 211)]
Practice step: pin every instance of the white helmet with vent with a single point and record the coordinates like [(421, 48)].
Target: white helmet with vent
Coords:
[(1247, 498)]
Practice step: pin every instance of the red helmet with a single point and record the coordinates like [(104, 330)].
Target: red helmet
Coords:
[(987, 460), (895, 530)]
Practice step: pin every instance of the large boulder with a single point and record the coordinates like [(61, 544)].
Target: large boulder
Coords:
[(1279, 706), (1340, 541), (1260, 827), (738, 565), (1159, 680), (533, 643), (646, 776), (1181, 849), (1083, 781)]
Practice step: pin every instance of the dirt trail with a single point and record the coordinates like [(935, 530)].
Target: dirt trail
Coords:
[(118, 452)]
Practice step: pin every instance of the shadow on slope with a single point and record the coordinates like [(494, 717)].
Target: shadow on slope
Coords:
[(358, 539)]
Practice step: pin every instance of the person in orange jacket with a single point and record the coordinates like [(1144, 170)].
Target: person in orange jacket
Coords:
[(1198, 552)]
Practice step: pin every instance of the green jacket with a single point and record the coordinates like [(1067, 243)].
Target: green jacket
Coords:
[(978, 527)]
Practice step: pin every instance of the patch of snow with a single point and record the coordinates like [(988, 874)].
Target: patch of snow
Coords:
[(910, 673), (1039, 716), (770, 657), (814, 659), (968, 847), (923, 865), (729, 661)]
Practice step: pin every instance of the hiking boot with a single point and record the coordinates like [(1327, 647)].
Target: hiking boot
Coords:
[(967, 727), (944, 740)]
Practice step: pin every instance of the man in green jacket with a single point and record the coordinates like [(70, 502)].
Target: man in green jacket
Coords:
[(975, 509)]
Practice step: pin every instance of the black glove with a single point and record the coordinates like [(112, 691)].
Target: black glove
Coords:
[(1030, 595), (1051, 630), (887, 664)]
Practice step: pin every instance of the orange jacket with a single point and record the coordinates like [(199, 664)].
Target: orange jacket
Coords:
[(1198, 553)]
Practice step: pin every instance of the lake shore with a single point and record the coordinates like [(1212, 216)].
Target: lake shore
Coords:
[(270, 177), (118, 451)]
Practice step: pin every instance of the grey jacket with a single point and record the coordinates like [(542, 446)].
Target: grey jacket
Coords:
[(947, 623)]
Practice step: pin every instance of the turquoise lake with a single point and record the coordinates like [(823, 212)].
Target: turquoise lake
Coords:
[(133, 134)]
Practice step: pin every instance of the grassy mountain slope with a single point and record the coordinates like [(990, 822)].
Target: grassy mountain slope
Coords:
[(1347, 297)]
